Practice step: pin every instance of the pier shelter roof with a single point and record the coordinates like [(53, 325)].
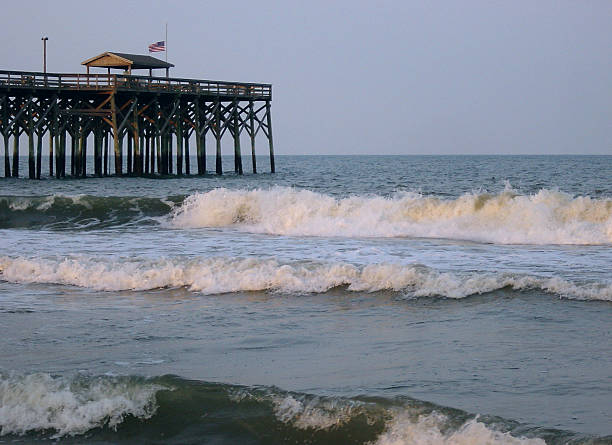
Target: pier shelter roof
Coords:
[(125, 61)]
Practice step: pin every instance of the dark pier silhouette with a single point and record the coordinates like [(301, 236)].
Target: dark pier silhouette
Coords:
[(156, 117)]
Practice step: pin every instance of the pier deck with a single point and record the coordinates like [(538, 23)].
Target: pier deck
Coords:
[(156, 116)]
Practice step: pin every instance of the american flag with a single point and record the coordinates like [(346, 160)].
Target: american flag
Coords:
[(157, 47)]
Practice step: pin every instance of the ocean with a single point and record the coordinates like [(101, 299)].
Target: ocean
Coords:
[(343, 300)]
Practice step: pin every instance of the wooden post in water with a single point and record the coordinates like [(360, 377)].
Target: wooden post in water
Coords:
[(116, 142), (16, 153), (252, 135), (105, 153), (219, 166), (56, 139), (147, 139), (51, 139), (169, 142), (179, 142), (237, 154), (97, 151), (7, 162), (39, 149), (129, 153), (186, 148), (30, 132), (270, 140), (83, 153), (158, 145), (72, 152)]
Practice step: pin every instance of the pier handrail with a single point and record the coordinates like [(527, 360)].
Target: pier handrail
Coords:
[(120, 82)]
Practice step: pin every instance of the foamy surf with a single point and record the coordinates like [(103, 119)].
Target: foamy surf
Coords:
[(218, 275), (547, 217), (71, 406), (41, 406)]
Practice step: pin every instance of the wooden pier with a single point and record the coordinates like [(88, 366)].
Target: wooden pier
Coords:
[(156, 117)]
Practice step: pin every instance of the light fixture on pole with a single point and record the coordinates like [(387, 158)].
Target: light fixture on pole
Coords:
[(44, 39)]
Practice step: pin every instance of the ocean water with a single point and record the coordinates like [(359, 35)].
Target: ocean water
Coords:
[(342, 300)]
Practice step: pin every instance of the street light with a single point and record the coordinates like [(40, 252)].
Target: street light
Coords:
[(44, 39)]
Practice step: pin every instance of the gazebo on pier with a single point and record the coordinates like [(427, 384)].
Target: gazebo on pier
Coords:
[(127, 63)]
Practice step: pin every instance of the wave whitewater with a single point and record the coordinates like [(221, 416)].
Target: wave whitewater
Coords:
[(548, 217), (131, 409), (218, 275)]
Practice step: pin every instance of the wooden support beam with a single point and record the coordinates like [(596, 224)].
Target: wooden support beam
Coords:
[(270, 140), (51, 139), (236, 132), (15, 172), (252, 135), (179, 143), (106, 133), (116, 142), (129, 153), (187, 160), (39, 149), (7, 162), (30, 133), (218, 134), (136, 137), (62, 155)]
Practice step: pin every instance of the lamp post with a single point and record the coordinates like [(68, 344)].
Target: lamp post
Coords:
[(44, 39)]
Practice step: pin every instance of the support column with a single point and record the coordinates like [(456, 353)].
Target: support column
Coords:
[(201, 170), (31, 166), (147, 138), (97, 152), (270, 140), (129, 153), (186, 148), (218, 136), (51, 152), (237, 154), (105, 153), (16, 153), (179, 143), (252, 134), (7, 162), (136, 137), (116, 143), (39, 149)]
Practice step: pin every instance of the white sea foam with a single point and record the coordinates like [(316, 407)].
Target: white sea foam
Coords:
[(548, 217), (431, 429), (70, 406), (225, 275)]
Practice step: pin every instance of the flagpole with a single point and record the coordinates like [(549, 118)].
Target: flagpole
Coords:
[(166, 42)]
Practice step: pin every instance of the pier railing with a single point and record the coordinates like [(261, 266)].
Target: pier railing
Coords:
[(95, 82)]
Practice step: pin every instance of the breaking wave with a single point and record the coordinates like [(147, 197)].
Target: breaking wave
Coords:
[(113, 409), (219, 275), (58, 212), (548, 217)]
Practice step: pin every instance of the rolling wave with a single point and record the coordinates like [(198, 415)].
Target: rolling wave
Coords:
[(218, 275), (131, 409), (78, 212), (548, 217)]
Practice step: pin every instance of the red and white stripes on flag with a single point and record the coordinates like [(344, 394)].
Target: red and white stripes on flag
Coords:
[(157, 47)]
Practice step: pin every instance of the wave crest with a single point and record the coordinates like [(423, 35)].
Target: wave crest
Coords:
[(71, 406), (548, 217), (227, 275)]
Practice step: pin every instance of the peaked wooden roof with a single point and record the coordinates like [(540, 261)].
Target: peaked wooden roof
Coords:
[(125, 61)]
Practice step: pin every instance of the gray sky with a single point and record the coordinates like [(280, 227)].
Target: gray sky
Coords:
[(401, 77)]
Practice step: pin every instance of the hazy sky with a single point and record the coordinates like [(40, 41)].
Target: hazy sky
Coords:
[(401, 77)]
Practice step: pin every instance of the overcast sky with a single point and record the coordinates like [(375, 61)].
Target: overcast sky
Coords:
[(356, 77)]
